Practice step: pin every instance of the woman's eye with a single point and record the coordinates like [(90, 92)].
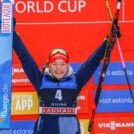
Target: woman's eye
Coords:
[(63, 64), (54, 64)]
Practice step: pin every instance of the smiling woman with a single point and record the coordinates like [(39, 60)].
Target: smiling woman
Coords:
[(58, 68), (58, 87), (58, 63)]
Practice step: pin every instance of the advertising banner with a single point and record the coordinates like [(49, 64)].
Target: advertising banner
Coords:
[(124, 125), (115, 73), (24, 103), (6, 34), (62, 10), (19, 77), (19, 127), (26, 127), (115, 101)]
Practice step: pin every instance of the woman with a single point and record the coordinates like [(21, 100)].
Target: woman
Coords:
[(57, 87)]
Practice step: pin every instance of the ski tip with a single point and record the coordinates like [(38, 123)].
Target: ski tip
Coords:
[(118, 4)]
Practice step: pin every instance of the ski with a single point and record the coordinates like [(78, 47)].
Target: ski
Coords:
[(110, 45), (6, 36)]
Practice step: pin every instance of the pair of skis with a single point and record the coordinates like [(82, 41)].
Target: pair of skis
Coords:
[(6, 36), (113, 38), (121, 56)]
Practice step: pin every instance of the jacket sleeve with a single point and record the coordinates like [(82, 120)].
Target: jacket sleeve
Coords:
[(29, 65), (88, 68)]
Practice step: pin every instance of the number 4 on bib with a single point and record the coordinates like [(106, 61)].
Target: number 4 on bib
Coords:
[(58, 95)]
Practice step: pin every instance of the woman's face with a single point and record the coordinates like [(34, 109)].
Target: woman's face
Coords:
[(58, 68)]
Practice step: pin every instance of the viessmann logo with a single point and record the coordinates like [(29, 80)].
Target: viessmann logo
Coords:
[(114, 125)]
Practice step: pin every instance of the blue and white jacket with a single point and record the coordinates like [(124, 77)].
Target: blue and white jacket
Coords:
[(57, 99)]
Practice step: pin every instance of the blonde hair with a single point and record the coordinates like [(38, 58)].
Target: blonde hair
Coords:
[(46, 66)]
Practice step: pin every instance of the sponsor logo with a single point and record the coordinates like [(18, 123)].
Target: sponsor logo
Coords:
[(115, 73), (19, 77), (17, 70), (53, 110), (24, 103), (6, 17), (113, 125), (5, 103)]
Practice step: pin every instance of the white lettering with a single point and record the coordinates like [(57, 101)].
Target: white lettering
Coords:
[(113, 125), (47, 6), (5, 101), (67, 6), (6, 17), (34, 7), (23, 104)]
